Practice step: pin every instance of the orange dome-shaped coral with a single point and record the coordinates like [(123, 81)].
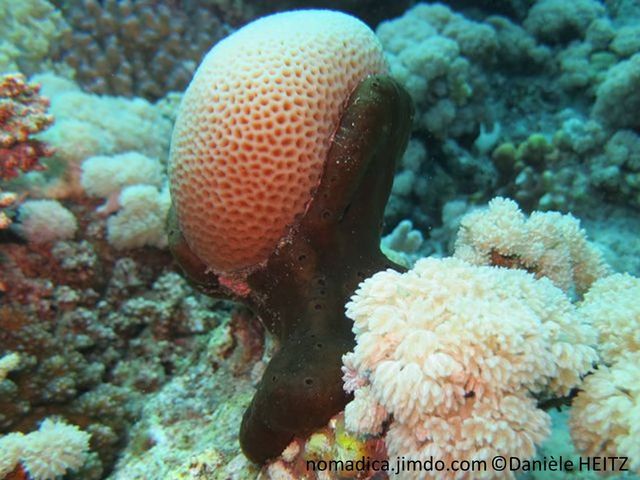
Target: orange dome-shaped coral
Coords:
[(255, 126)]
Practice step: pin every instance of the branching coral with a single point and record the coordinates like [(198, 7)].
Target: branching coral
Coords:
[(138, 48), (95, 332), (433, 52), (452, 351), (617, 97), (23, 113), (28, 30), (402, 244)]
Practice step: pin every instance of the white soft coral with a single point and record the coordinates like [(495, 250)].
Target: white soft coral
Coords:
[(47, 453)]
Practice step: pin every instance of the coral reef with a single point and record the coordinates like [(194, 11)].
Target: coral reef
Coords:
[(23, 113), (189, 427), (99, 334), (435, 53), (576, 71), (29, 29), (95, 333), (137, 48), (89, 125), (444, 60), (147, 48)]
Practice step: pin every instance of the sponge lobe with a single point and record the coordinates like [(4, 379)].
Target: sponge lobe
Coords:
[(255, 126)]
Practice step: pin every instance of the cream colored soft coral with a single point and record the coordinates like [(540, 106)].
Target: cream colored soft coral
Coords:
[(605, 416), (612, 305), (255, 126), (508, 425), (548, 244), (10, 446), (451, 352), (47, 453)]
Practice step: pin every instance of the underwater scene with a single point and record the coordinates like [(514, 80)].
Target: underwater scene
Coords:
[(315, 240)]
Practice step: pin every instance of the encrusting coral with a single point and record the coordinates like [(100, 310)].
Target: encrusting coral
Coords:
[(322, 247)]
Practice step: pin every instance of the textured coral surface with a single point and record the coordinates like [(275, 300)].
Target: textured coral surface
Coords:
[(534, 100), (255, 126), (142, 48)]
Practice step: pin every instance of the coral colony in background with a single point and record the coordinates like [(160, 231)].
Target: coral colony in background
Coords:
[(192, 279)]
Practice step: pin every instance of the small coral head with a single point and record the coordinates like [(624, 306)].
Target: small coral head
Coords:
[(254, 129)]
